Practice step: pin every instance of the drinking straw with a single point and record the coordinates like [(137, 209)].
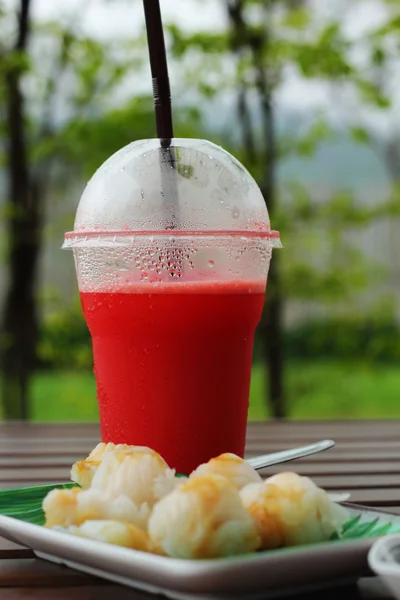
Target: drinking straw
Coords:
[(162, 104), (159, 72)]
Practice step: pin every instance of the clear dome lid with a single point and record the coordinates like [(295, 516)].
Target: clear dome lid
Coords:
[(192, 187)]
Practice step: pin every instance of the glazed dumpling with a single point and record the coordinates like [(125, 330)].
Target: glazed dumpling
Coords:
[(141, 475), (228, 465), (82, 472), (203, 518), (66, 507), (120, 533), (289, 510)]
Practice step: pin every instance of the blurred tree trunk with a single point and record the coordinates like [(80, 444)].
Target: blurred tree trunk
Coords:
[(23, 209), (256, 41), (273, 326), (392, 158)]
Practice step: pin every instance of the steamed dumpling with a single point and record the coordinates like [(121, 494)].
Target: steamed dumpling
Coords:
[(228, 465), (142, 476), (66, 507), (82, 472), (289, 510), (203, 518), (113, 532)]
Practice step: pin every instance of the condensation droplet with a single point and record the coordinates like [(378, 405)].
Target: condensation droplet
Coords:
[(235, 213)]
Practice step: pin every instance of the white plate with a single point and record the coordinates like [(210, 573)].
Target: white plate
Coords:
[(267, 574), (271, 573)]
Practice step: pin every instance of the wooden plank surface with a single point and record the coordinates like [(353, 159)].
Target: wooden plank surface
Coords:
[(99, 591), (365, 462)]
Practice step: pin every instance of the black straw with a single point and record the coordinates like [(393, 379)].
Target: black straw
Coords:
[(162, 107), (159, 72)]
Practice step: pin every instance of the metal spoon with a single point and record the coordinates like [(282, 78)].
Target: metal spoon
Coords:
[(267, 460)]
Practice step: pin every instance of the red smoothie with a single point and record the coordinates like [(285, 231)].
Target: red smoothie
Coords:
[(173, 364)]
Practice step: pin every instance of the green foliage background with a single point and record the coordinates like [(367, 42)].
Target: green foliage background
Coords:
[(321, 263)]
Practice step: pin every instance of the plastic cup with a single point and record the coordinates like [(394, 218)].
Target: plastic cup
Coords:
[(172, 251)]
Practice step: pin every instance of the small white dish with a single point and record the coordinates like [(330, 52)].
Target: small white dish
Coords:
[(384, 560)]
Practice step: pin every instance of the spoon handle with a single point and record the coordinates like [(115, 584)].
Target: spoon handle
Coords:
[(267, 460)]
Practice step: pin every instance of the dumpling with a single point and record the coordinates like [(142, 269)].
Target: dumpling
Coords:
[(113, 532), (82, 472), (290, 510), (75, 506), (60, 507), (141, 475), (203, 518), (228, 465)]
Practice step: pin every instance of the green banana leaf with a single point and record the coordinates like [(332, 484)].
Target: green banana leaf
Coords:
[(26, 503)]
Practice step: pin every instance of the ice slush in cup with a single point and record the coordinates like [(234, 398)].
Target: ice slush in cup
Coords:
[(172, 259)]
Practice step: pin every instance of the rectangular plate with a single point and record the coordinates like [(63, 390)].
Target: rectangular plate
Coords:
[(263, 574)]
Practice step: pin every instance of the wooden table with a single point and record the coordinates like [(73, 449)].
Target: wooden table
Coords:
[(365, 461)]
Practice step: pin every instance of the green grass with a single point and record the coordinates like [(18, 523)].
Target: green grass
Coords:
[(325, 390), (64, 396), (333, 390)]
